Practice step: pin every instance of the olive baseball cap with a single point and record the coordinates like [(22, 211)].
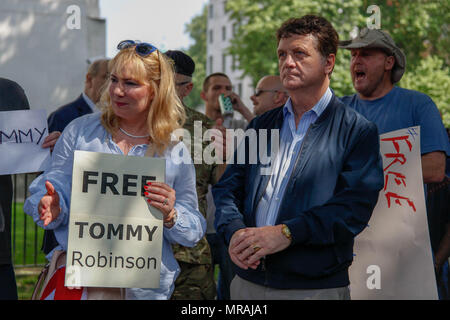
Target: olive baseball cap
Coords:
[(376, 38)]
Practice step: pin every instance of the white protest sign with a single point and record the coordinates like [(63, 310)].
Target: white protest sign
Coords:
[(393, 257), (22, 133), (115, 237)]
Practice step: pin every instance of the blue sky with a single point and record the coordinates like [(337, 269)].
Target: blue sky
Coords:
[(160, 22)]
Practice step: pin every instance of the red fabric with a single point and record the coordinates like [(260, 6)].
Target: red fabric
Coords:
[(56, 284)]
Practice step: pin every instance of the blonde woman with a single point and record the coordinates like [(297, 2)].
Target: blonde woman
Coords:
[(140, 110)]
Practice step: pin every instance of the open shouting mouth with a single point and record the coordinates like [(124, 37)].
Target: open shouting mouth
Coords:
[(359, 75)]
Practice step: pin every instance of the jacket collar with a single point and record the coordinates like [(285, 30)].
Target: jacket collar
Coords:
[(82, 105), (318, 108), (279, 116), (262, 180)]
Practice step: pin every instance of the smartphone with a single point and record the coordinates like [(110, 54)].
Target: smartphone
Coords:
[(226, 106)]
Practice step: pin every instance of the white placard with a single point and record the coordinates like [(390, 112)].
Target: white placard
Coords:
[(22, 133), (115, 237), (393, 257)]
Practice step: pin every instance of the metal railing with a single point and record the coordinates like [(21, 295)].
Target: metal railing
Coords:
[(26, 236)]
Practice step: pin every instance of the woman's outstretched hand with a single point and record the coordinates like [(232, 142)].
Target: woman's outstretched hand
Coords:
[(48, 207)]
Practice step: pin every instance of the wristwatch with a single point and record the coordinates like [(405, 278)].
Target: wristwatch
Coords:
[(286, 232), (172, 222)]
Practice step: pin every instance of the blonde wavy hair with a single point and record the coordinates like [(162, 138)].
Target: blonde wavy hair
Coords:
[(165, 113)]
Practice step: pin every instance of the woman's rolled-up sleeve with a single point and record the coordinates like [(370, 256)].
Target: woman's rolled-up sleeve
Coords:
[(60, 176), (190, 225)]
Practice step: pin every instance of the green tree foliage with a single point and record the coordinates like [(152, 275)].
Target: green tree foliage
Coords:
[(419, 27), (255, 42), (197, 51)]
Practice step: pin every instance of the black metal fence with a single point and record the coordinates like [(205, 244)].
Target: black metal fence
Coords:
[(26, 235)]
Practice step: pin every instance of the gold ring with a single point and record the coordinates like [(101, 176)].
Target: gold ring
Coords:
[(256, 248), (165, 201)]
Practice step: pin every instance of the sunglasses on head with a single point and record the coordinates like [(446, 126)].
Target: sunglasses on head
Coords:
[(142, 48)]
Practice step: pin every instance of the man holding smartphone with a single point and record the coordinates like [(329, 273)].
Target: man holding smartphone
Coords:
[(215, 85)]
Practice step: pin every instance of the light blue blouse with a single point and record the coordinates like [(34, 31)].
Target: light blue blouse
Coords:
[(86, 133)]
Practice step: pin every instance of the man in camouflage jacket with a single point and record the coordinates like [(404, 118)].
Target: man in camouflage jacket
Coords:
[(196, 280)]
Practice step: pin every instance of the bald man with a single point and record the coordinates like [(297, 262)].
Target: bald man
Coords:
[(269, 94), (96, 77)]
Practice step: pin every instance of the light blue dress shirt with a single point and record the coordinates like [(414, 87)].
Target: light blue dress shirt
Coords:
[(86, 133), (291, 138)]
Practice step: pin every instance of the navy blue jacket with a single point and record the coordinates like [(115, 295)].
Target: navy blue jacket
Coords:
[(329, 199), (61, 117), (12, 97)]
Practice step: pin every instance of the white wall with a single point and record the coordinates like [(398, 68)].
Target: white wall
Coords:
[(218, 47), (39, 51)]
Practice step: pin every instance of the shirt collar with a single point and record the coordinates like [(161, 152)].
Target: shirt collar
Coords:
[(90, 103), (318, 108)]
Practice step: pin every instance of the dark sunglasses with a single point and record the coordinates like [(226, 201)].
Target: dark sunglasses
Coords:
[(142, 48), (259, 91), (182, 83)]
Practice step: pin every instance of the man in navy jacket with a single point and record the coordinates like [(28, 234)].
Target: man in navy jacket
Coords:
[(85, 103), (12, 97), (291, 224)]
